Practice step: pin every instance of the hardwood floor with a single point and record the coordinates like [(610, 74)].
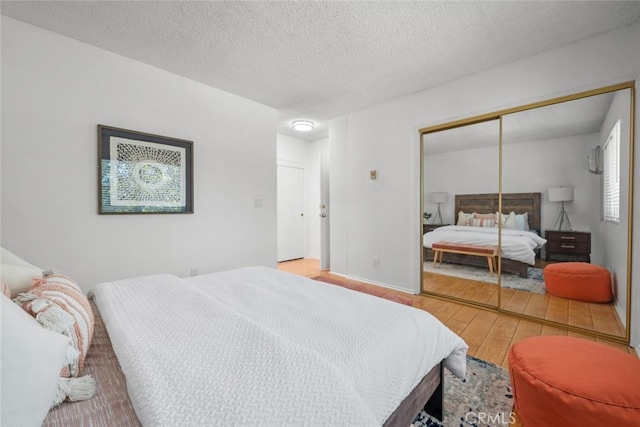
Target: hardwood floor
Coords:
[(470, 290), (597, 317), (488, 334)]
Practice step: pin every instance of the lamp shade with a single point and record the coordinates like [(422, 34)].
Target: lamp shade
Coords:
[(561, 194), (439, 197)]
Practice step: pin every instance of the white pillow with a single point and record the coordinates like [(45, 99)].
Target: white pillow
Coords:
[(463, 218), (514, 221), (525, 220), (17, 274), (31, 359), (511, 221)]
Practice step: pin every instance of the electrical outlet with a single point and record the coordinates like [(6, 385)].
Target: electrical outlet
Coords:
[(376, 261), (195, 271)]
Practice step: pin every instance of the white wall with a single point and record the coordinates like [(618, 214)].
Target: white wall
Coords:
[(471, 171), (526, 167), (54, 92), (383, 218), (338, 190), (536, 166), (306, 155), (615, 235)]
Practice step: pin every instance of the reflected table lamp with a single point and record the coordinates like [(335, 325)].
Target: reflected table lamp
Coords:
[(561, 194), (438, 198)]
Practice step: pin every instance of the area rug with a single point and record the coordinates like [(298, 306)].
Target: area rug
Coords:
[(533, 283), (482, 398), (367, 289)]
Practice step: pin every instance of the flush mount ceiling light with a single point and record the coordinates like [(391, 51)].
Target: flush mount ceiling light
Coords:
[(302, 125)]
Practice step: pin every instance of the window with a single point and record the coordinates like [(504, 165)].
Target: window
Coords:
[(611, 193)]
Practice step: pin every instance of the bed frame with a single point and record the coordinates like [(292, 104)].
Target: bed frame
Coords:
[(519, 203), (432, 387)]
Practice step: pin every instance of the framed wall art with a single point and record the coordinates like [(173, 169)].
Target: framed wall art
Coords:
[(141, 173)]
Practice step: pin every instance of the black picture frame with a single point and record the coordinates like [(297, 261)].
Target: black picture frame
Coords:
[(142, 173)]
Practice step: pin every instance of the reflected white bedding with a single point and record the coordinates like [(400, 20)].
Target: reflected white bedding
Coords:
[(516, 244), (259, 344)]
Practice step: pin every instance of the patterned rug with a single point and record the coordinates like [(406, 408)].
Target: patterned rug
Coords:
[(533, 283), (482, 398)]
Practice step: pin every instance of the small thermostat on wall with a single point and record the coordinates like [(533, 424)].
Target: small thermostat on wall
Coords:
[(374, 174)]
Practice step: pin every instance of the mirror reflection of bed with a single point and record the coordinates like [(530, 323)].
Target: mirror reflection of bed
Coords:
[(460, 160), (543, 146), (476, 230), (521, 264)]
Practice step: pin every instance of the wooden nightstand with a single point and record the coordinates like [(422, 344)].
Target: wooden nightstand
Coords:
[(568, 245), (430, 227)]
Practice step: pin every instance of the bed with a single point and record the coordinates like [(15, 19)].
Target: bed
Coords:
[(259, 346), (519, 248)]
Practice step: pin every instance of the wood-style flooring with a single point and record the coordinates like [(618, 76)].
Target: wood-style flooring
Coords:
[(596, 317), (489, 334)]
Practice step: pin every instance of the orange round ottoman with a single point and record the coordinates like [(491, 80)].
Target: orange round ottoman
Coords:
[(579, 281), (566, 381)]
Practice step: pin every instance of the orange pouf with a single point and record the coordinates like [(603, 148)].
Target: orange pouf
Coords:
[(566, 381), (579, 281)]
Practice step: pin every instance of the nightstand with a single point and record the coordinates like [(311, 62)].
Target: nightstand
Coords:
[(430, 227), (568, 245)]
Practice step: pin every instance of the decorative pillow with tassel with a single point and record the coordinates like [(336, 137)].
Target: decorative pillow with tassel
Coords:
[(59, 305)]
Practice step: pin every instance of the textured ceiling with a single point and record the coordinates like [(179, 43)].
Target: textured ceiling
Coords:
[(577, 117), (321, 59)]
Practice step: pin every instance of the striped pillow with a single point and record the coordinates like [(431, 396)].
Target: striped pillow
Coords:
[(482, 220), (484, 216), (58, 304)]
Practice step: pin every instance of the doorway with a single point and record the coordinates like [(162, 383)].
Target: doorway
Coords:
[(290, 213)]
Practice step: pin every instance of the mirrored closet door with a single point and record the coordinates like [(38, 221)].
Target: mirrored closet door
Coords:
[(550, 182), (558, 151), (460, 167)]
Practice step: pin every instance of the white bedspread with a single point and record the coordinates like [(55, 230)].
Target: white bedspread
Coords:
[(516, 245), (384, 348), (256, 345)]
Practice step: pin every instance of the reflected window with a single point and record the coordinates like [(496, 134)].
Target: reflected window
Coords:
[(611, 193)]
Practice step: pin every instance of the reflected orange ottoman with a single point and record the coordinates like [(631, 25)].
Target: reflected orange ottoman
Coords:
[(566, 381), (579, 281)]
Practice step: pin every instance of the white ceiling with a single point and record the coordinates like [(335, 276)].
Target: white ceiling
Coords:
[(318, 60), (582, 116)]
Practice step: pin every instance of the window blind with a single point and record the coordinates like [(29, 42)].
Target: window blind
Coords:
[(611, 193)]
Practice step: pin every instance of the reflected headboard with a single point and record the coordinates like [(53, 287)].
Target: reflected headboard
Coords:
[(511, 202)]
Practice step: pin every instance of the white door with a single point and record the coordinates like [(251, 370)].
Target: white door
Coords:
[(290, 213)]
